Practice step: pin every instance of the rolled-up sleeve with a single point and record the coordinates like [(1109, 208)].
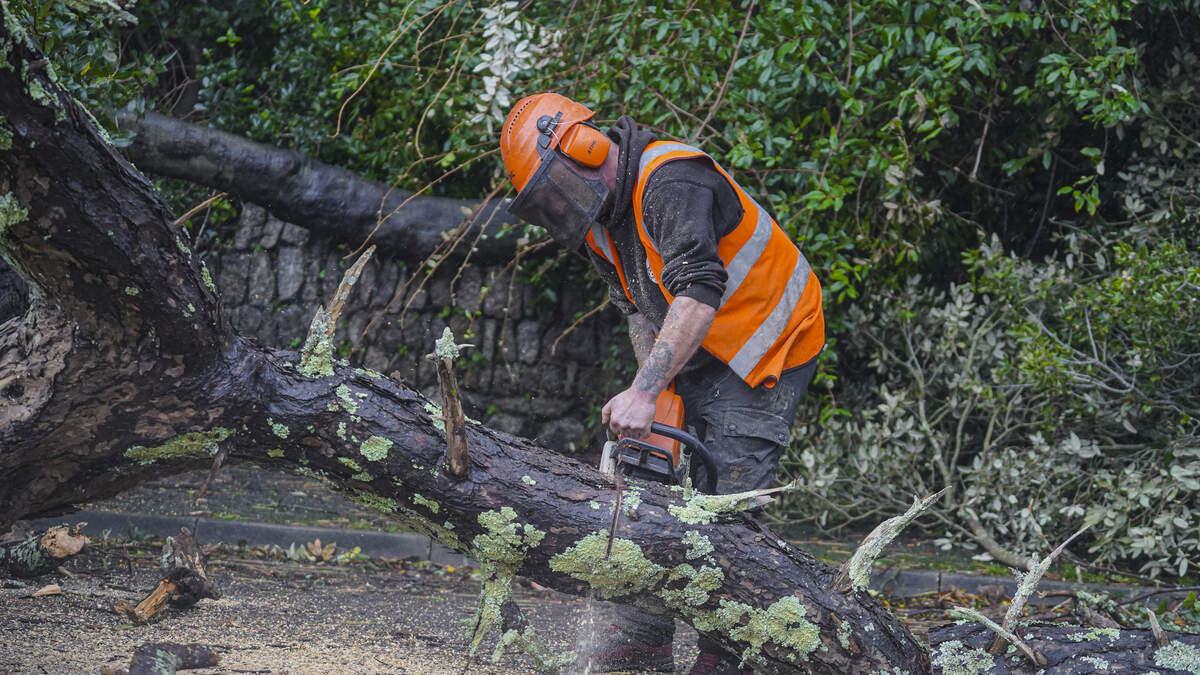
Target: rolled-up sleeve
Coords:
[(685, 218)]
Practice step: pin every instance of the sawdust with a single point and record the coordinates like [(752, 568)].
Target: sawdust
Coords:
[(275, 617)]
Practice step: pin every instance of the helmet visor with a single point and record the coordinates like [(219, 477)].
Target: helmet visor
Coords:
[(560, 200)]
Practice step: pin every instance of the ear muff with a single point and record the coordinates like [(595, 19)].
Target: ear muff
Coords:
[(585, 144)]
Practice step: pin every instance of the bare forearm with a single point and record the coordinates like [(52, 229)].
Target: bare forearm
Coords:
[(683, 330), (641, 334)]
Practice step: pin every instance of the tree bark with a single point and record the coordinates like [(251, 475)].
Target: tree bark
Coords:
[(323, 198), (1069, 650), (166, 658), (42, 553), (125, 368)]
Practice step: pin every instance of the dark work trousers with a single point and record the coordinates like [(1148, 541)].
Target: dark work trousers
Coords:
[(746, 430)]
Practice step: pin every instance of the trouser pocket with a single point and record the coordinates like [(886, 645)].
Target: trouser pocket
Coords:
[(746, 445)]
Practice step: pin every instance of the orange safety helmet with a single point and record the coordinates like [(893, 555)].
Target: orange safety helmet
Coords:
[(551, 152), (519, 139)]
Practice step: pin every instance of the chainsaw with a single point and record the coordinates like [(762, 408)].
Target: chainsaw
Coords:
[(660, 457)]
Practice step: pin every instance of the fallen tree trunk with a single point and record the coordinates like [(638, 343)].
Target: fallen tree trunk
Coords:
[(1068, 650), (124, 368), (313, 195)]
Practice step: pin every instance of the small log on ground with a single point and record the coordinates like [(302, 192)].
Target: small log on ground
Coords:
[(184, 582), (42, 553), (1069, 650), (164, 658)]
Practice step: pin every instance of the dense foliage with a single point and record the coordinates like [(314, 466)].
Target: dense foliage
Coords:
[(998, 196)]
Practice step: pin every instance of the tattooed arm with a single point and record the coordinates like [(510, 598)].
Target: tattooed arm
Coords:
[(630, 412)]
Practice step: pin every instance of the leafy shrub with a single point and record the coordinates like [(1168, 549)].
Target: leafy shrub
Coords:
[(1044, 395)]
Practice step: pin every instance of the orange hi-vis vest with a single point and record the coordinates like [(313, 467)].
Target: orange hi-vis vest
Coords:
[(770, 317)]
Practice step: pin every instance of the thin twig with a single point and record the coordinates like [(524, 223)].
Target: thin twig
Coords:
[(1001, 634), (197, 209), (575, 324)]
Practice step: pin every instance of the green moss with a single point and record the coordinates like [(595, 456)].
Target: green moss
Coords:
[(11, 212), (191, 444), (316, 356), (427, 503), (373, 501), (183, 248), (698, 545), (375, 448), (131, 290), (1178, 656), (275, 452), (954, 658), (626, 571), (363, 476), (206, 277), (279, 430), (350, 463), (348, 402)]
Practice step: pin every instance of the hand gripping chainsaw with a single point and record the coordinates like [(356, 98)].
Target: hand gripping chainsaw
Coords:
[(660, 457)]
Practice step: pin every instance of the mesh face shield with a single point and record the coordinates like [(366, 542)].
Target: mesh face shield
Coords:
[(560, 200)]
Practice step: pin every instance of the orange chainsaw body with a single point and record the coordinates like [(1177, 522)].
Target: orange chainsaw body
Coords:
[(668, 410)]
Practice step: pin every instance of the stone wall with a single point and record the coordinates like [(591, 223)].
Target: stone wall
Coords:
[(272, 275)]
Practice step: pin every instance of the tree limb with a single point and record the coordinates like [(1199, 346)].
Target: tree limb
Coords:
[(323, 198)]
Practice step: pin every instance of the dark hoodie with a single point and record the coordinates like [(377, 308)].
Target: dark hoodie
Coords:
[(687, 207)]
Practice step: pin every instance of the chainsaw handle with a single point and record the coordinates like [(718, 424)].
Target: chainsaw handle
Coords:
[(694, 443)]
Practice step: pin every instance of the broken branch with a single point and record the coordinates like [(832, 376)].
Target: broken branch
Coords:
[(1026, 584), (1001, 633), (445, 351), (856, 572), (316, 356), (42, 553)]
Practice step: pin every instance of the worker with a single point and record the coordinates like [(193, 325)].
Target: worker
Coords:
[(718, 300)]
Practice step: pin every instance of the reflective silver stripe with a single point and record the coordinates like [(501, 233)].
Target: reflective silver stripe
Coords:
[(772, 327), (600, 235), (748, 254), (657, 151)]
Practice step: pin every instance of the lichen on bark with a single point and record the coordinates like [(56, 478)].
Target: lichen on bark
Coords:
[(622, 571), (375, 448), (194, 444), (500, 550), (11, 212), (316, 356)]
